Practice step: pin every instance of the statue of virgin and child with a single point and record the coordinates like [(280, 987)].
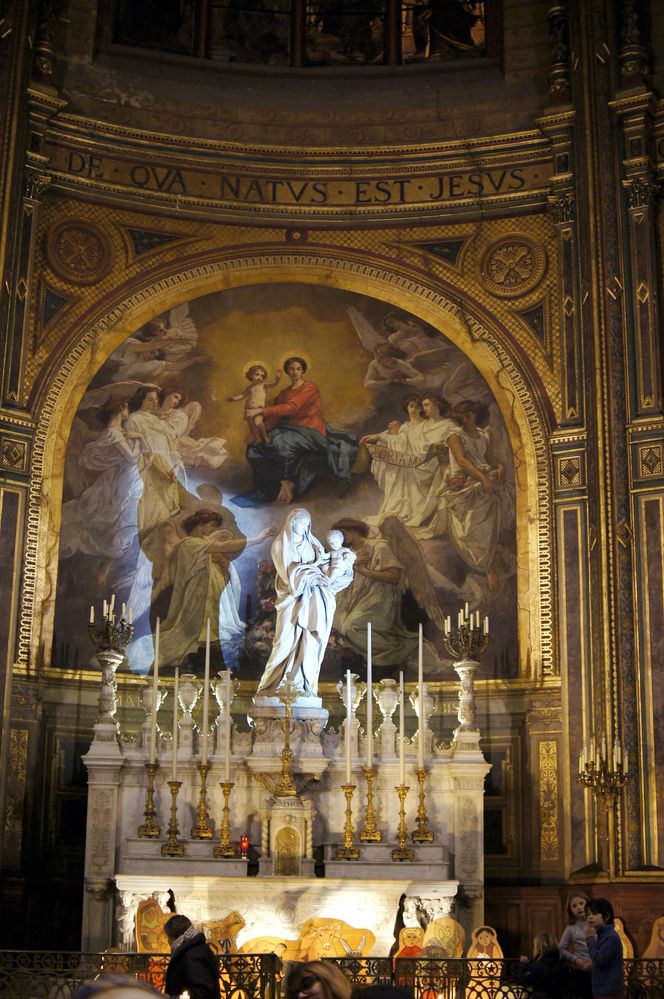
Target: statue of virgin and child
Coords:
[(308, 579)]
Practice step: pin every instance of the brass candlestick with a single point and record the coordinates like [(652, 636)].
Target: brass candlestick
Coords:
[(202, 829), (348, 851), (286, 786), (149, 830), (370, 834), (172, 847), (224, 848), (402, 852), (421, 834)]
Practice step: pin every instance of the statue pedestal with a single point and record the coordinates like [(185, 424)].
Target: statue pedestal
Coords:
[(309, 719), (287, 838)]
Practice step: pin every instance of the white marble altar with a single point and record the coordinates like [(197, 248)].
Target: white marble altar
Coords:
[(123, 868)]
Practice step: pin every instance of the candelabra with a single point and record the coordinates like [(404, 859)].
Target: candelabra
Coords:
[(149, 829), (202, 829), (422, 834), (110, 640), (348, 851), (110, 636), (286, 786), (605, 775), (402, 851), (173, 847), (370, 833), (224, 848), (470, 637)]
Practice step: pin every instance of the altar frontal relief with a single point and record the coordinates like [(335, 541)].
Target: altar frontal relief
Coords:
[(213, 421)]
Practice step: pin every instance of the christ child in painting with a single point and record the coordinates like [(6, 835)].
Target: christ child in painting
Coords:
[(255, 398)]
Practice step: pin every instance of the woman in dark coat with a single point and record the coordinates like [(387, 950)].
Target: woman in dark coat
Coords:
[(193, 966)]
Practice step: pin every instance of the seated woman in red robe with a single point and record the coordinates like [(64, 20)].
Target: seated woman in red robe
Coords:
[(301, 447)]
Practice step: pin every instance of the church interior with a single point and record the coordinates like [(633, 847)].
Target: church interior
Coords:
[(386, 277)]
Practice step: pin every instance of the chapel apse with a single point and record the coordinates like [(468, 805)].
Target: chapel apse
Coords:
[(171, 502)]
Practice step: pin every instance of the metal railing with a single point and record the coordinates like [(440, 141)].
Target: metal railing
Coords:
[(57, 975)]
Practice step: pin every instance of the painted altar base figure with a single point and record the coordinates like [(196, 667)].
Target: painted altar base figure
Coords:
[(306, 600)]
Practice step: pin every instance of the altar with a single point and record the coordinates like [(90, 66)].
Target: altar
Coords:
[(323, 861)]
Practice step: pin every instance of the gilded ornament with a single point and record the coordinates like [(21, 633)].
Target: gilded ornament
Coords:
[(651, 460), (78, 251), (13, 454), (513, 266)]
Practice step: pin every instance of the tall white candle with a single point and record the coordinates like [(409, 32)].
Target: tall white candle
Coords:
[(402, 734), (206, 697), (227, 730), (420, 702), (369, 700), (176, 691), (153, 709), (111, 606), (349, 719), (92, 613)]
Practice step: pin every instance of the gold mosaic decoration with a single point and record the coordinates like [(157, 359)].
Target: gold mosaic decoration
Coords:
[(570, 471), (651, 460), (13, 454)]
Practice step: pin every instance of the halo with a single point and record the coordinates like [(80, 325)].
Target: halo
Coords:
[(294, 353), (251, 364)]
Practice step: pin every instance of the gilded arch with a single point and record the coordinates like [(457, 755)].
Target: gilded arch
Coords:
[(467, 327)]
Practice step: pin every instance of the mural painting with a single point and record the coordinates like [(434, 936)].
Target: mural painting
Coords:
[(210, 423)]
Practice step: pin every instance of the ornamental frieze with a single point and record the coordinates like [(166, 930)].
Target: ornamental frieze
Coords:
[(270, 183)]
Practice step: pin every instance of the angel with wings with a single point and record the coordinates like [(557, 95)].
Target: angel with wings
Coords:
[(403, 354), (182, 417), (386, 565)]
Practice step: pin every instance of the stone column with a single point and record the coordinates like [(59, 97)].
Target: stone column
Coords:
[(104, 762)]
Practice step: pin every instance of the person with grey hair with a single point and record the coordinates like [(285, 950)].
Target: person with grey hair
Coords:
[(116, 987)]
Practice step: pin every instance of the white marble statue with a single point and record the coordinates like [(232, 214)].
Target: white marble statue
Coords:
[(308, 579)]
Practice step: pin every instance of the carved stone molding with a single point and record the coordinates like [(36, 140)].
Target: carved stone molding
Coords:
[(559, 75), (36, 184), (562, 208), (641, 192), (99, 888)]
